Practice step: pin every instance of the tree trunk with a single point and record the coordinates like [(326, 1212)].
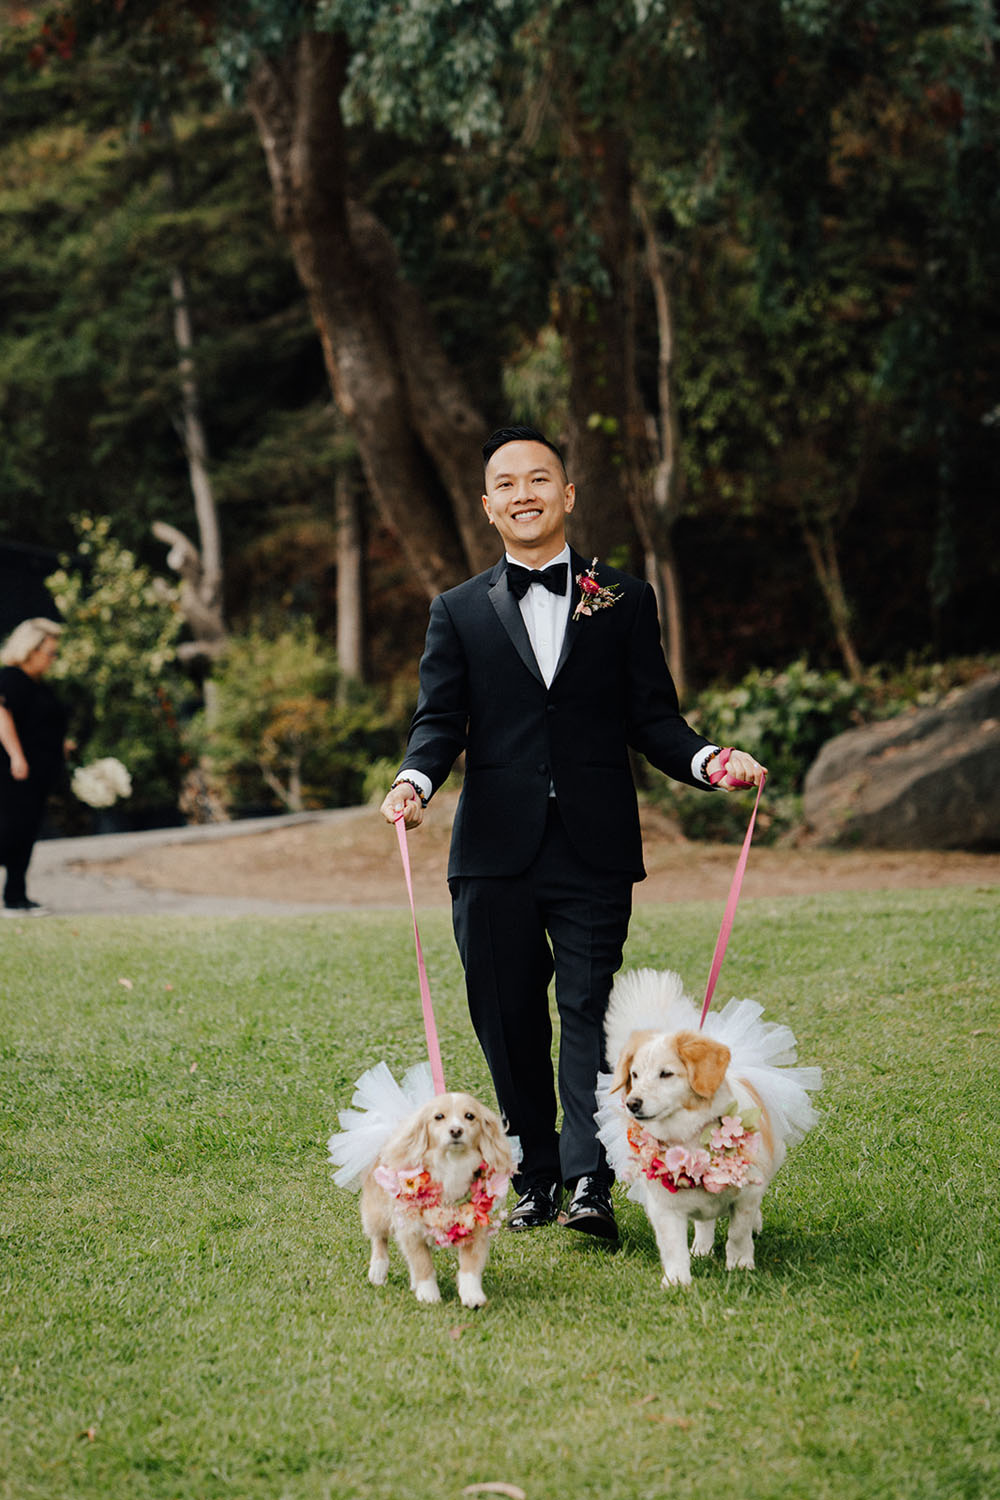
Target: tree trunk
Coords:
[(200, 568), (196, 450), (411, 418), (822, 550), (603, 415), (350, 582), (666, 479)]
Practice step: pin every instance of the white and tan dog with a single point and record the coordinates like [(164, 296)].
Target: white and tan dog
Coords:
[(439, 1180), (698, 1120)]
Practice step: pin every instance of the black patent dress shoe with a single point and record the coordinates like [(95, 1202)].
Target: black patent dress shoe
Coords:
[(590, 1209), (538, 1206)]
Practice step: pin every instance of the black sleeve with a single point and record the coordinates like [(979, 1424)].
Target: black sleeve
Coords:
[(15, 693)]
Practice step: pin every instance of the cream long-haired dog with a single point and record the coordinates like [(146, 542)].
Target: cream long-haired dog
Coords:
[(698, 1121), (439, 1177)]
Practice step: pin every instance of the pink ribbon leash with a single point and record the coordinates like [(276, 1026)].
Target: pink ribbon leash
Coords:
[(731, 904), (430, 1030)]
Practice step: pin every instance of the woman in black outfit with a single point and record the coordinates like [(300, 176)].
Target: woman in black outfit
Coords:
[(32, 734)]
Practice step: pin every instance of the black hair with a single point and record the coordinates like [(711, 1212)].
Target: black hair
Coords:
[(518, 435)]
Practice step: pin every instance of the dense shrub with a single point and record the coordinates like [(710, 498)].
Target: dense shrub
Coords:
[(286, 732), (117, 663), (785, 718)]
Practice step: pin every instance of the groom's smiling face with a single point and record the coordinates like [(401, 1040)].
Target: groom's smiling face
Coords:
[(528, 499)]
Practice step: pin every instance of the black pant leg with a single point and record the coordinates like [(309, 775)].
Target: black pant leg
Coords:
[(23, 806), (586, 912), (508, 967)]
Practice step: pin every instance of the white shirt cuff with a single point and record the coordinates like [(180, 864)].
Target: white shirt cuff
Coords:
[(699, 761), (419, 780)]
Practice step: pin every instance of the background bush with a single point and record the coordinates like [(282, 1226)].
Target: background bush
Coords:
[(117, 668), (288, 731), (785, 718)]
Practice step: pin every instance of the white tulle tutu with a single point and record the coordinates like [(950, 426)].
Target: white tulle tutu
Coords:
[(380, 1106), (762, 1052)]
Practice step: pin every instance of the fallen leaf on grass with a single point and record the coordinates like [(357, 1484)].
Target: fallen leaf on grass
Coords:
[(126, 984), (90, 1433), (644, 1400), (193, 1068), (668, 1419), (496, 1487), (457, 1331)]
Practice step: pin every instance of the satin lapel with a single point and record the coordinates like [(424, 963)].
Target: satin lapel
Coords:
[(577, 566), (509, 614)]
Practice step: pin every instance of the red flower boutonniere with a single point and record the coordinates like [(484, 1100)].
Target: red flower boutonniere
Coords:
[(592, 595)]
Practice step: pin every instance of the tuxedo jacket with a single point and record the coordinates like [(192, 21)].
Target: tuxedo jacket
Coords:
[(481, 692)]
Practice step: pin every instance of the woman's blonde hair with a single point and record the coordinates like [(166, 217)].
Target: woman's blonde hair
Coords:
[(25, 638)]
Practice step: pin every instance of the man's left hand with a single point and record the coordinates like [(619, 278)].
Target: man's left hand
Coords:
[(741, 771)]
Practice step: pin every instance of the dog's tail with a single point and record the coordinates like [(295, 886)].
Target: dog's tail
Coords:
[(380, 1106), (646, 1000)]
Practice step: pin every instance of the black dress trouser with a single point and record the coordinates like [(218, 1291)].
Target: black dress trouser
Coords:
[(563, 915), (22, 808)]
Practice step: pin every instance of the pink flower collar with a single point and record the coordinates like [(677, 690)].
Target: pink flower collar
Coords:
[(416, 1192), (723, 1158)]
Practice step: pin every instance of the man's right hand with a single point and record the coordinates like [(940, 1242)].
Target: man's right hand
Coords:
[(403, 797)]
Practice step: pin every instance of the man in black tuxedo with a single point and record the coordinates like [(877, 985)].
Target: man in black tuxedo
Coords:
[(545, 672)]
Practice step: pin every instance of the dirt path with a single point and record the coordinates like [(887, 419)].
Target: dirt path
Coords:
[(350, 859)]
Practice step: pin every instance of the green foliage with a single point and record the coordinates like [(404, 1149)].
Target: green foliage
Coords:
[(783, 718), (285, 731), (117, 658)]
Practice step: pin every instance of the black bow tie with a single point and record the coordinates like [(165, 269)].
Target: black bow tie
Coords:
[(519, 579)]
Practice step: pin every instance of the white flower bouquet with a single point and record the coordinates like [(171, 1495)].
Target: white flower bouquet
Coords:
[(102, 782)]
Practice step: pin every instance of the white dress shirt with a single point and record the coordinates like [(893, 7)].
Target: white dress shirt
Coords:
[(545, 617)]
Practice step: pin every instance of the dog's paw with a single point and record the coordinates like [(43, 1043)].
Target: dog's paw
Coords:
[(378, 1271), (470, 1291), (427, 1291), (704, 1237), (739, 1260), (675, 1278)]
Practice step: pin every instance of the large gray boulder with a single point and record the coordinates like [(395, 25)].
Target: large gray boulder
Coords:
[(928, 779)]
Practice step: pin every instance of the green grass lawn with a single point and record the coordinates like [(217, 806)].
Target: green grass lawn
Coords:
[(185, 1310)]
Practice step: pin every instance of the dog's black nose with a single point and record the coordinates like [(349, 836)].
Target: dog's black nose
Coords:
[(635, 1106), (457, 1132)]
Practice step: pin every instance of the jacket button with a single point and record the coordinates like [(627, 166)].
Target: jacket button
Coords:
[(543, 770), (550, 708)]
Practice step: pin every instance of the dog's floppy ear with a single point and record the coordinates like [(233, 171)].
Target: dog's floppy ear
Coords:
[(409, 1147), (496, 1147), (706, 1061), (623, 1066)]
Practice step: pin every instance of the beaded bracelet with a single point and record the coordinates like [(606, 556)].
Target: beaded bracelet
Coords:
[(405, 781)]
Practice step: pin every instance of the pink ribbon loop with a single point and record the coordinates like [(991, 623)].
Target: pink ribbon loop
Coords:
[(730, 911), (430, 1029)]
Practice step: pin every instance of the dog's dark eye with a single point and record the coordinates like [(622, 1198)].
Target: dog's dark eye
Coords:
[(469, 1115), (439, 1115), (666, 1073)]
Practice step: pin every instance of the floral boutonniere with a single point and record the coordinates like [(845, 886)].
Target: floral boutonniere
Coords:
[(592, 595)]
